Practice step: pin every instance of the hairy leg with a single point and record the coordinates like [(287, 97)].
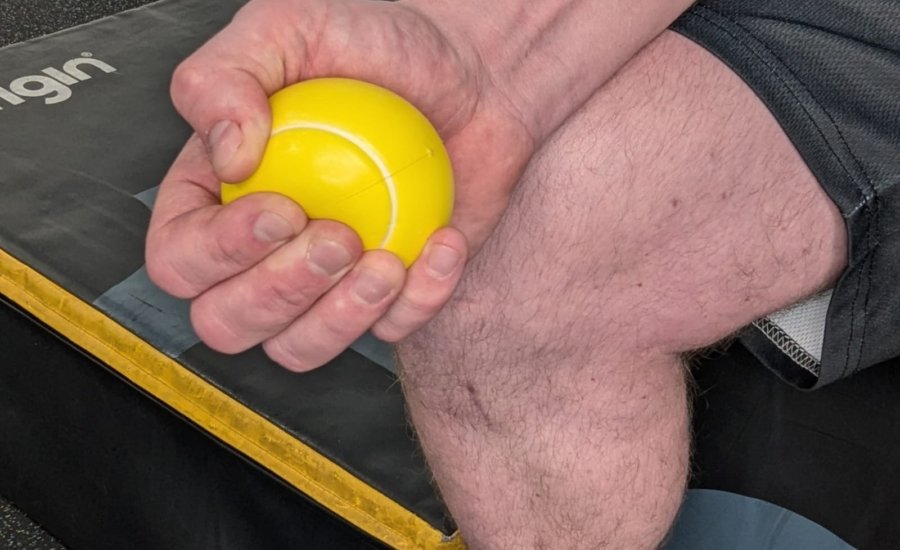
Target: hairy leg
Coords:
[(549, 395)]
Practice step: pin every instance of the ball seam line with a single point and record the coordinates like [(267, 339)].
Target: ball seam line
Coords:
[(387, 176)]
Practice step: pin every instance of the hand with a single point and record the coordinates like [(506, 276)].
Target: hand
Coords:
[(257, 270)]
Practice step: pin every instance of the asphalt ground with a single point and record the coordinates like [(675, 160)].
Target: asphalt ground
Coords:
[(21, 20)]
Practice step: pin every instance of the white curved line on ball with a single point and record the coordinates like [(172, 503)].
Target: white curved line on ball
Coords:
[(386, 176)]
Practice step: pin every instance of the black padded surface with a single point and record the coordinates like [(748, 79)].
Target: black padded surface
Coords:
[(832, 455), (21, 20), (101, 465)]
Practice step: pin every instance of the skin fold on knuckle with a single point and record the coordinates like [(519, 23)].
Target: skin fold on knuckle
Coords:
[(288, 295), (166, 271), (387, 330), (286, 284), (285, 355), (407, 316), (213, 327), (345, 323), (188, 79), (398, 324), (230, 245)]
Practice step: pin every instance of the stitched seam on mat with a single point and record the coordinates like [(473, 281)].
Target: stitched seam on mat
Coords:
[(869, 186), (787, 345)]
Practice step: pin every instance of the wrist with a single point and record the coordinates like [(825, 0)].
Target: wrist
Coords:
[(545, 59)]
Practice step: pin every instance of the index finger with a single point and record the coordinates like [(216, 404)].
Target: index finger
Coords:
[(194, 242), (222, 89)]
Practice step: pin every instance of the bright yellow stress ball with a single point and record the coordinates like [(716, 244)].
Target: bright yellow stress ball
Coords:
[(351, 151)]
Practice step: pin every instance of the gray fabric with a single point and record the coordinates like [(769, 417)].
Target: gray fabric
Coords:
[(717, 520)]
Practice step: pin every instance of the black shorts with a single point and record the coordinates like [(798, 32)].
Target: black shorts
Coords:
[(829, 70)]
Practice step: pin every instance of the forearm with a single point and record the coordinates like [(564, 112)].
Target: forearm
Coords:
[(548, 57)]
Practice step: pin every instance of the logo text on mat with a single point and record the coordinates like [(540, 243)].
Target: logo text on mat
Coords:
[(54, 85)]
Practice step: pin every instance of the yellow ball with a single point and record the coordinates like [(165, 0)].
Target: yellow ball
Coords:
[(356, 153)]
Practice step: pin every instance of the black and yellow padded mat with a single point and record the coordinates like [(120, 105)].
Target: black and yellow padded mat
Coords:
[(86, 133)]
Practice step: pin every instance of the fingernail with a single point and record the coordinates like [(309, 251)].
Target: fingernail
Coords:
[(371, 287), (272, 228), (223, 141), (327, 257), (442, 260)]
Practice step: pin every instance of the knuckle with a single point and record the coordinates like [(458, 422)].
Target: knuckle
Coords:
[(228, 250), (285, 294), (421, 304), (409, 314), (157, 271), (388, 330), (278, 350), (212, 329), (288, 289), (187, 78), (339, 332), (168, 278)]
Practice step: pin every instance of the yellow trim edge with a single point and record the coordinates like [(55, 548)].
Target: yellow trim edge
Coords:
[(221, 415)]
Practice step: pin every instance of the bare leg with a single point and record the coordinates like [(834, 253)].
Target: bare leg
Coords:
[(549, 396)]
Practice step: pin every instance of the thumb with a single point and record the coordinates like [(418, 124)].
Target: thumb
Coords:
[(222, 91)]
